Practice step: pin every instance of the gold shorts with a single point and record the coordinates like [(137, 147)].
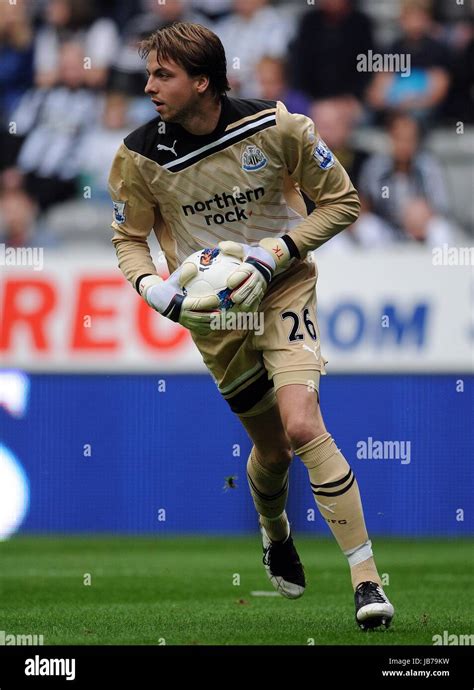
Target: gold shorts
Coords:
[(279, 345)]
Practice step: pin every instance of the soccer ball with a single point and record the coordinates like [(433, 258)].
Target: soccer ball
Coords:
[(209, 269)]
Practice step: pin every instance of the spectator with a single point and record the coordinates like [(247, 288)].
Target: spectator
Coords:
[(129, 69), (100, 145), (120, 11), (254, 30), (421, 90), (16, 57), (325, 49), (158, 15), (405, 189), (18, 227), (334, 121), (73, 21), (273, 85), (53, 123), (88, 218), (16, 71), (460, 103)]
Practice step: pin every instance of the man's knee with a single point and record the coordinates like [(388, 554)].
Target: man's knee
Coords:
[(300, 413), (276, 459), (302, 430)]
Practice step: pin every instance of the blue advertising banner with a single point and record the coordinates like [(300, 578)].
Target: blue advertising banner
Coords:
[(154, 454)]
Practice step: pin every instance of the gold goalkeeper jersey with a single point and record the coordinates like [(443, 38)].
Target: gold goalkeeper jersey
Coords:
[(242, 182)]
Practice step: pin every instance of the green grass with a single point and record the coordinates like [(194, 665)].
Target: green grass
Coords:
[(181, 589)]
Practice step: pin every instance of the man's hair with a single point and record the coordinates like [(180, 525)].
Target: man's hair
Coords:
[(195, 48), (394, 117)]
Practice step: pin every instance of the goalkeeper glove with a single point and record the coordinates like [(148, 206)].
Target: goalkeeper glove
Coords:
[(251, 279), (168, 299)]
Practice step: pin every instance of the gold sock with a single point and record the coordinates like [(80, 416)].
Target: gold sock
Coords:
[(269, 491), (337, 496)]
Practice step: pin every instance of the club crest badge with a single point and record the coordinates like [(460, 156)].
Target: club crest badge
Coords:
[(323, 156), (253, 159), (207, 258)]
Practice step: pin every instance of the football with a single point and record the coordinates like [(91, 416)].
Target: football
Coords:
[(208, 270)]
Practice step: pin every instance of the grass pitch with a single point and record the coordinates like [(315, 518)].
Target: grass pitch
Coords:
[(208, 591)]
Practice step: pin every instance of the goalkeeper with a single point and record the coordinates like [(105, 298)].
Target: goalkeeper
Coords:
[(209, 171)]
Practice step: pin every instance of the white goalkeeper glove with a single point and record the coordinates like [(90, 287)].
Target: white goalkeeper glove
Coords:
[(250, 280), (167, 298)]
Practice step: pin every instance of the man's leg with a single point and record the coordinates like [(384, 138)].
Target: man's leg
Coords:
[(334, 488), (268, 470), (268, 478)]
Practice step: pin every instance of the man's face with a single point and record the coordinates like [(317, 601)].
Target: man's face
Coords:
[(71, 65), (333, 122), (173, 92), (271, 80), (415, 22), (404, 136)]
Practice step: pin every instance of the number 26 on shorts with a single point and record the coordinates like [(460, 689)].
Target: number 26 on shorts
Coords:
[(296, 329)]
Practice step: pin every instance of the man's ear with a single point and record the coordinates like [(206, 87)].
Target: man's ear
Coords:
[(202, 83)]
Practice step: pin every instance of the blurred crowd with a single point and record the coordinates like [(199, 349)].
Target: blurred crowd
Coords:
[(71, 88)]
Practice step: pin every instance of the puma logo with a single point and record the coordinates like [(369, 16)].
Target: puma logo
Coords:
[(315, 353), (162, 147), (329, 507)]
